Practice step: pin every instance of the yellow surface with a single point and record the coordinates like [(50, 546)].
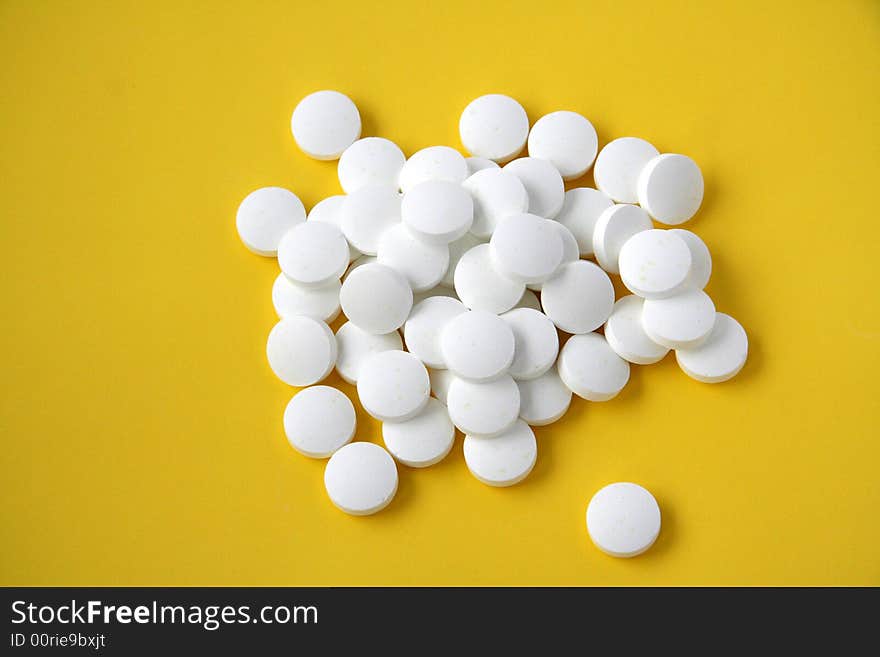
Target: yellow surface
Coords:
[(141, 425)]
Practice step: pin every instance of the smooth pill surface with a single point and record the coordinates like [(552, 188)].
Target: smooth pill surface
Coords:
[(618, 166), (422, 329), (376, 298), (623, 519), (496, 194), (433, 163), (567, 140), (613, 228), (494, 126), (329, 211), (503, 460), (318, 421), (483, 409), (570, 249), (456, 250), (475, 164), (680, 321), (422, 441), (324, 124), (536, 342), (670, 188), (590, 368), (655, 264), (356, 345), (361, 478), (627, 337), (393, 386), (368, 162), (720, 356), (544, 400), (360, 261), (529, 300), (313, 254), (701, 259), (422, 264), (579, 297), (439, 291), (580, 211), (301, 350), (438, 211), (440, 382), (265, 215), (367, 213), (543, 185), (480, 285), (526, 248), (291, 299), (477, 345)]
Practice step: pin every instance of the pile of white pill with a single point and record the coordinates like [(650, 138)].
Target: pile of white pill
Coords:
[(456, 276)]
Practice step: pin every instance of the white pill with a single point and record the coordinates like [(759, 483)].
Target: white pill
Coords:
[(670, 188), (367, 213), (440, 382), (618, 166), (422, 330), (579, 297), (529, 300), (701, 259), (475, 164), (376, 298), (623, 519), (477, 345), (543, 185), (579, 214), (424, 440), (526, 248), (329, 211), (590, 368), (570, 249), (324, 124), (301, 350), (291, 299), (313, 254), (494, 126), (544, 400), (265, 215), (318, 421), (439, 291), (393, 386), (480, 285), (356, 345), (360, 261), (361, 478), (433, 163), (613, 228), (567, 140), (536, 343), (369, 162), (456, 250), (422, 264), (483, 409), (496, 194), (655, 264), (438, 211), (627, 337), (505, 459), (681, 321), (720, 356)]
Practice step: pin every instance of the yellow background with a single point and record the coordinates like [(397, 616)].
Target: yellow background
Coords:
[(141, 425)]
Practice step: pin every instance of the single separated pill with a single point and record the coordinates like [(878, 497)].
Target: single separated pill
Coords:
[(329, 211), (720, 356), (433, 163), (367, 213), (265, 215), (423, 264), (361, 478), (627, 337), (313, 254), (701, 259), (496, 194), (494, 126), (368, 162), (526, 248), (579, 297), (456, 250), (324, 124), (483, 409), (477, 345), (590, 368), (503, 460), (567, 140), (475, 164), (376, 298), (438, 211), (613, 228), (356, 345), (318, 421), (655, 264), (670, 188), (543, 185), (543, 400), (681, 321), (480, 285), (424, 440), (301, 350), (393, 386), (579, 214), (623, 519), (618, 166), (291, 299), (536, 340), (424, 325)]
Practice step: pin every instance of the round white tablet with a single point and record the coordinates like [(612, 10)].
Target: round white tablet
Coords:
[(543, 400), (356, 345), (579, 214), (424, 440), (496, 194), (494, 126), (543, 185), (505, 459), (329, 211), (670, 188), (480, 285), (536, 340), (483, 409), (567, 140), (590, 368), (422, 330), (681, 321), (475, 164), (613, 228), (527, 248), (579, 298), (324, 124), (368, 162), (367, 213), (433, 163), (529, 300), (477, 345), (623, 519), (618, 166), (423, 264), (655, 264), (720, 356), (456, 250), (393, 386), (438, 211), (440, 382), (361, 478), (313, 254), (360, 261), (291, 299), (318, 421), (301, 350), (376, 298), (627, 337), (701, 259), (265, 215), (570, 249)]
